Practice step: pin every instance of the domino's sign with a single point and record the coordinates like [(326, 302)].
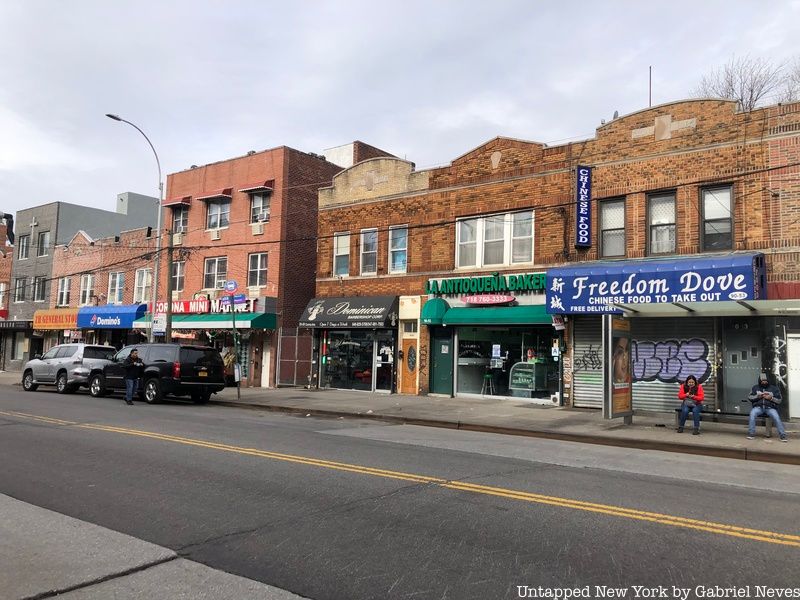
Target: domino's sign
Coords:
[(583, 207)]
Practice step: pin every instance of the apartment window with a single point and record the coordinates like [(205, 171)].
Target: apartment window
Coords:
[(341, 254), (39, 285), (661, 215), (216, 273), (24, 243), (257, 273), (717, 231), (369, 251), (259, 208), (43, 248), (87, 289), (612, 228), (19, 289), (143, 286), (398, 249), (219, 212), (502, 239), (180, 219), (63, 291), (116, 287), (178, 271), (3, 294)]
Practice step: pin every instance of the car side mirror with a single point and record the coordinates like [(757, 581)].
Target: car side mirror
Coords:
[(37, 357)]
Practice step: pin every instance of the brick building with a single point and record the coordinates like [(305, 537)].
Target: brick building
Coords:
[(253, 220), (687, 183), (6, 258)]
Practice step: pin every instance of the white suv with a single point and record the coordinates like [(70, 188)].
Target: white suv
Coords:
[(67, 366)]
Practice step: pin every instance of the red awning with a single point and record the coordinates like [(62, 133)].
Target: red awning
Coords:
[(221, 193), (179, 200), (259, 186)]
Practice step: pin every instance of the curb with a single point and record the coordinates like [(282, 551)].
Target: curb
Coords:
[(735, 453)]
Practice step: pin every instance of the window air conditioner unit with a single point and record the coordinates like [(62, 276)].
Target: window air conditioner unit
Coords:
[(215, 234), (264, 216), (176, 295), (258, 228), (221, 284), (177, 239)]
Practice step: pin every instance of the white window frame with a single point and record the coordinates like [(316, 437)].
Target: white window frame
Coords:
[(259, 268), (39, 289), (214, 208), (116, 287), (178, 275), (259, 213), (604, 206), (43, 249), (712, 191), (19, 289), (219, 282), (653, 227), (180, 219), (363, 253), (345, 236), (508, 240), (63, 291), (24, 243), (87, 289), (143, 286), (3, 294), (392, 250)]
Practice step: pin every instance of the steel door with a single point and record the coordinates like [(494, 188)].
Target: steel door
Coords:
[(442, 363), (742, 357)]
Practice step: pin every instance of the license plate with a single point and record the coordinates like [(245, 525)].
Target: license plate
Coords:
[(203, 374)]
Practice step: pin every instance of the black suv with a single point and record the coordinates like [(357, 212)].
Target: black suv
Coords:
[(169, 369)]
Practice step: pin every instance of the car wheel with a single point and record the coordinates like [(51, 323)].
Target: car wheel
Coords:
[(97, 386), (62, 387), (152, 391), (27, 382), (201, 397)]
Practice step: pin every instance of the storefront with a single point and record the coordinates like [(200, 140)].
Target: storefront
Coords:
[(705, 316), (111, 324), (14, 342), (491, 336), (357, 340), (54, 326)]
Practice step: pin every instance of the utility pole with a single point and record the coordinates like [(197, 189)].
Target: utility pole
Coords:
[(168, 309)]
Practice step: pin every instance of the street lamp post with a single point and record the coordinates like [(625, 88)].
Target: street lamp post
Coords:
[(158, 234)]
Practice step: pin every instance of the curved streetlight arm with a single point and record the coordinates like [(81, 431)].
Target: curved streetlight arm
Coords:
[(144, 135)]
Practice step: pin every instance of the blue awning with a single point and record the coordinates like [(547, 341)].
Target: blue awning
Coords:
[(110, 316)]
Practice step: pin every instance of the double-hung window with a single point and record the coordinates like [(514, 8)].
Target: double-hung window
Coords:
[(495, 240), (63, 291), (39, 285), (116, 287), (398, 249), (143, 286), (369, 251), (87, 289), (178, 272), (19, 289), (24, 244), (717, 231), (259, 207), (219, 212), (180, 219), (215, 273), (3, 294), (661, 223), (612, 228), (43, 248), (341, 254), (257, 271)]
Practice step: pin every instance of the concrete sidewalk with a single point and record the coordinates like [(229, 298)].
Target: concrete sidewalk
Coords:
[(46, 554), (651, 431)]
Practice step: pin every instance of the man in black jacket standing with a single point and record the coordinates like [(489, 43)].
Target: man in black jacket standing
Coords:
[(765, 398), (133, 370)]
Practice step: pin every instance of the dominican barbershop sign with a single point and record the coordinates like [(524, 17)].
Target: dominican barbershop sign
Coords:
[(488, 284), (600, 287), (352, 311)]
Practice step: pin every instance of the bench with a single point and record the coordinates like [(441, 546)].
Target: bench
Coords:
[(716, 416)]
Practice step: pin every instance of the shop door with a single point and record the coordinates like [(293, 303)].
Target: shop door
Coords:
[(793, 362), (442, 364), (408, 376), (384, 364), (587, 363), (257, 360), (742, 360)]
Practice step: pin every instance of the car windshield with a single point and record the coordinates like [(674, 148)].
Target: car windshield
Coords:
[(201, 356), (99, 352)]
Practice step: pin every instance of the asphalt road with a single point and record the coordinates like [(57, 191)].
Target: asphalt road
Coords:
[(345, 509)]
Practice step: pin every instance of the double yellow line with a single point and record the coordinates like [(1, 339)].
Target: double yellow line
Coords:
[(770, 537)]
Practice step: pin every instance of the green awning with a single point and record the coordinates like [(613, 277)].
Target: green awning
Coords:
[(433, 311), (248, 320), (498, 315)]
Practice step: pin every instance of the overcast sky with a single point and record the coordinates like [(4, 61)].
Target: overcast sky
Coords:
[(427, 81)]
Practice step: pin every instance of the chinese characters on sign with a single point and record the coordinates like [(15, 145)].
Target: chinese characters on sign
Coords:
[(583, 207)]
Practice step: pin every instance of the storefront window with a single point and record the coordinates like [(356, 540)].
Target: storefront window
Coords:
[(348, 361), (487, 357)]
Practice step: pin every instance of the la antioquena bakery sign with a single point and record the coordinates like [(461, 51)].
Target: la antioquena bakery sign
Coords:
[(495, 284)]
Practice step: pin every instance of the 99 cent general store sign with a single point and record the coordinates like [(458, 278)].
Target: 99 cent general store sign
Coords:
[(600, 287)]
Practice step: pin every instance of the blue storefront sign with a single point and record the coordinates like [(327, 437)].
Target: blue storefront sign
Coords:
[(599, 287), (110, 316), (583, 207)]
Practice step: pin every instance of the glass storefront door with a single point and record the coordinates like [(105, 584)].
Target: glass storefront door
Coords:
[(358, 360)]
